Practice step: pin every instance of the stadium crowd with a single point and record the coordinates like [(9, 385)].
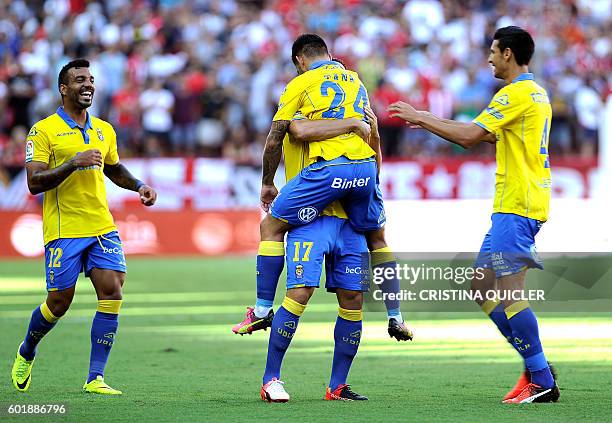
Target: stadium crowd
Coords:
[(201, 77)]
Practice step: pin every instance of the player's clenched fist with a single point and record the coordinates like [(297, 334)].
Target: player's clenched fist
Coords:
[(268, 194), (148, 196), (88, 158)]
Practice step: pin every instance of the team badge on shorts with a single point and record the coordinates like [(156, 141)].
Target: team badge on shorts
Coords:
[(307, 214), (51, 277), (299, 271), (100, 136)]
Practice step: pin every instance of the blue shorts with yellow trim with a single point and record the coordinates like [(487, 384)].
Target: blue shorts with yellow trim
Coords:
[(331, 238), (509, 246), (65, 258), (353, 182)]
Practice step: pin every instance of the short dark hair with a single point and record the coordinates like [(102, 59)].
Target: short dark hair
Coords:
[(63, 75), (309, 45), (518, 40)]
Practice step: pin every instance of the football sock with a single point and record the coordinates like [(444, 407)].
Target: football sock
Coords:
[(41, 322), (495, 311), (347, 335), (381, 260), (526, 338), (103, 332), (270, 263), (284, 325)]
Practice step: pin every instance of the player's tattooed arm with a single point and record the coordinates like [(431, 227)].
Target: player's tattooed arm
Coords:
[(305, 130), (41, 178), (465, 134), (273, 151), (122, 177)]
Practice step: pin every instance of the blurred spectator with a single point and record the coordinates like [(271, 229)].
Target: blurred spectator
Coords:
[(157, 104), (589, 106), (217, 67), (12, 154)]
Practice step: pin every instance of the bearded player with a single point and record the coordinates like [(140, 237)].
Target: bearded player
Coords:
[(520, 116), (67, 156)]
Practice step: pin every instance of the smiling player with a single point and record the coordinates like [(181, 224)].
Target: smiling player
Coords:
[(520, 116), (67, 156)]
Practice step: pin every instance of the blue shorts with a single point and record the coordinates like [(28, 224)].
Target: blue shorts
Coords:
[(344, 249), (65, 258), (509, 246), (353, 182)]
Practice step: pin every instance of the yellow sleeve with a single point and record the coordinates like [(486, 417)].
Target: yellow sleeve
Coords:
[(291, 100), (37, 148), (112, 157), (507, 105)]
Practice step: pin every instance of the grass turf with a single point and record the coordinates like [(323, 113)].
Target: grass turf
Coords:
[(176, 359)]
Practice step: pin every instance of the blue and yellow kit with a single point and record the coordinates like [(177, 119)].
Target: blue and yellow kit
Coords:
[(330, 237), (77, 224), (340, 168), (520, 115)]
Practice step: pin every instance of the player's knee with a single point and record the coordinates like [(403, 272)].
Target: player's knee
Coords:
[(300, 295), (59, 302), (376, 239), (112, 291), (272, 229), (350, 300)]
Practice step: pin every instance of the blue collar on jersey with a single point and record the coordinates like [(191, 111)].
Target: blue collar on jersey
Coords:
[(324, 63), (62, 113), (527, 76)]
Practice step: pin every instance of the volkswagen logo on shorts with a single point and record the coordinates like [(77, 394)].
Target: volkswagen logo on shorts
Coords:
[(307, 214)]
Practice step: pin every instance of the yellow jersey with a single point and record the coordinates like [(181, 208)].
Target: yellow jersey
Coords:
[(520, 115), (328, 91), (297, 158), (77, 208)]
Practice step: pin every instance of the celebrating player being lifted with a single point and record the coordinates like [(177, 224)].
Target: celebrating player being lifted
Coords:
[(67, 156), (337, 166), (519, 115), (330, 237)]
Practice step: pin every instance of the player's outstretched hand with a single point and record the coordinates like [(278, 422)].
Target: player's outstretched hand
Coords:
[(88, 158), (148, 196), (268, 194), (403, 111)]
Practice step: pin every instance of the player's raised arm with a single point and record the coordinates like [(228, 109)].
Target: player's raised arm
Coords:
[(305, 130), (41, 178), (122, 177), (461, 133)]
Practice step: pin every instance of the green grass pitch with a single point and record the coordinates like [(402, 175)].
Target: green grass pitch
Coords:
[(176, 359)]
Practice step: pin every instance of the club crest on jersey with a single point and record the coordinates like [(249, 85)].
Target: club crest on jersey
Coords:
[(100, 136), (299, 271), (502, 99), (32, 132), (29, 150), (307, 214)]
